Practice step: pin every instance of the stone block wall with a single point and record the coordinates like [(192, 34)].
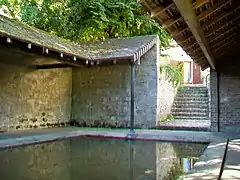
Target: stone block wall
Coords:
[(32, 98), (101, 95), (213, 100), (166, 93), (229, 97)]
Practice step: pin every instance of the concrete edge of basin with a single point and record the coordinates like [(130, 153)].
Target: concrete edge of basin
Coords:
[(140, 135)]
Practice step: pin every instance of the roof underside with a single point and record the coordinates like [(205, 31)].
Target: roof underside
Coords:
[(113, 49), (206, 29)]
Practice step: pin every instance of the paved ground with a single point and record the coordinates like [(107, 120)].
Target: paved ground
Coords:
[(208, 166), (175, 124), (232, 166)]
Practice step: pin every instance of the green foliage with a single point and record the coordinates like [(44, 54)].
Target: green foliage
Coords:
[(168, 117), (174, 74), (86, 20)]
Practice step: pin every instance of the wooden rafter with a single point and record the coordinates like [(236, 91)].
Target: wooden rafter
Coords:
[(160, 9), (183, 39), (187, 12), (228, 48), (53, 66), (178, 31), (197, 53), (199, 3), (213, 9), (224, 41), (170, 22), (222, 15), (191, 45), (220, 26), (223, 34)]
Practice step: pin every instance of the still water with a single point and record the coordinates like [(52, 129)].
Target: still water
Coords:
[(99, 159)]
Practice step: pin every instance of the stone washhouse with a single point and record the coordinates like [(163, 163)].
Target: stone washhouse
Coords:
[(46, 81), (208, 31)]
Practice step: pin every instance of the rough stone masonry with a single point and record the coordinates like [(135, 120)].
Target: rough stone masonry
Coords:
[(96, 96), (31, 98)]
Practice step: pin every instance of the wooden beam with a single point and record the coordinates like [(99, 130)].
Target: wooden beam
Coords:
[(53, 66), (223, 34), (178, 31), (229, 47), (224, 43), (197, 52), (220, 26), (183, 39), (160, 9), (225, 40), (170, 22), (189, 15), (199, 3), (222, 15), (212, 9), (191, 45)]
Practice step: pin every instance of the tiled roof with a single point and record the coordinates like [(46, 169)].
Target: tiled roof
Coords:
[(131, 48)]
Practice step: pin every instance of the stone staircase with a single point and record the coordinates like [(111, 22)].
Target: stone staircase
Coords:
[(190, 109), (191, 103)]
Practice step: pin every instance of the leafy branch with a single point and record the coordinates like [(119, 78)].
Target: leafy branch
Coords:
[(87, 20), (174, 74)]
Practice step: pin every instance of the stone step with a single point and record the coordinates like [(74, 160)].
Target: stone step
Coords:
[(190, 105), (192, 99), (192, 92), (178, 118), (190, 114), (193, 87), (197, 109), (204, 90), (192, 95)]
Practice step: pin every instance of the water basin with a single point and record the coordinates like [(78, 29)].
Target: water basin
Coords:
[(99, 159)]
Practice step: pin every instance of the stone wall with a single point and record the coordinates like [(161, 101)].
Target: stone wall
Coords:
[(32, 98), (166, 95), (101, 95), (229, 97)]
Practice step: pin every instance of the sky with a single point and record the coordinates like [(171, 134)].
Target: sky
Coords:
[(177, 53)]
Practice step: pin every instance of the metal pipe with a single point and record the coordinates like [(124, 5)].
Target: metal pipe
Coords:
[(206, 79), (218, 101), (132, 98)]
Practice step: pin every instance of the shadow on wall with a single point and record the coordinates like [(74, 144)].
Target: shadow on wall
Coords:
[(32, 98)]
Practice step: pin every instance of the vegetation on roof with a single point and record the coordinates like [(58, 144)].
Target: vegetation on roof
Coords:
[(87, 20), (101, 49)]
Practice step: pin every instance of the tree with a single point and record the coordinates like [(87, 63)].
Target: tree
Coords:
[(86, 20)]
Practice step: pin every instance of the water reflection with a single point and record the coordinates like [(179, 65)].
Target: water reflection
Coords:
[(99, 159)]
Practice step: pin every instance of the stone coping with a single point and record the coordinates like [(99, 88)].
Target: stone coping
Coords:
[(208, 165)]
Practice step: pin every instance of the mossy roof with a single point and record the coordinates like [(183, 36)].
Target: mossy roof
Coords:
[(107, 49)]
